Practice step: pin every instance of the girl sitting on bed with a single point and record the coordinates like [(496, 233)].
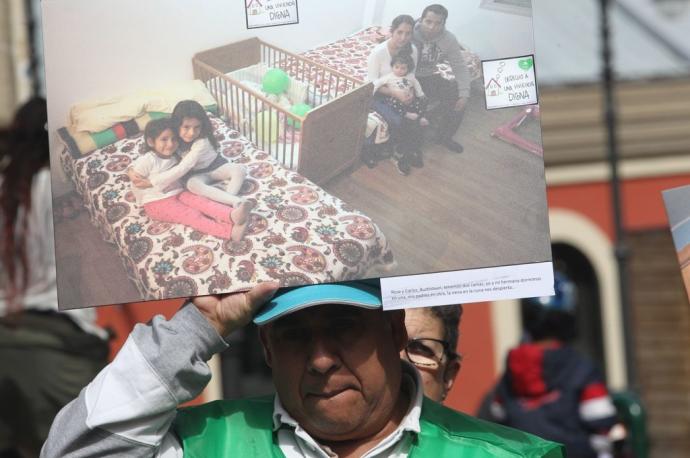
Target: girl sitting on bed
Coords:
[(201, 163), (173, 204)]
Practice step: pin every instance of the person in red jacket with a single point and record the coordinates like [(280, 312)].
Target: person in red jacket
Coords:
[(549, 388)]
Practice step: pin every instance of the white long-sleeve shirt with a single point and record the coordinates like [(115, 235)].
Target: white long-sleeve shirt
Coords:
[(199, 156), (150, 165)]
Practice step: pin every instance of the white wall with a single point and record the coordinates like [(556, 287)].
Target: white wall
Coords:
[(102, 48), (491, 34)]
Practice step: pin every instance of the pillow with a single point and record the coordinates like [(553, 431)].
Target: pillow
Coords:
[(164, 100), (101, 114)]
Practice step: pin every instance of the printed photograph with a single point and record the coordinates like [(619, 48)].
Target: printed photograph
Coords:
[(677, 201), (192, 154)]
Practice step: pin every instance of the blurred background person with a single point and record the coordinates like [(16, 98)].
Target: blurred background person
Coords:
[(432, 342), (551, 389), (46, 357)]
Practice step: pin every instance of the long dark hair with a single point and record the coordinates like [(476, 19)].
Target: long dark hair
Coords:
[(23, 152), (193, 109), (397, 22)]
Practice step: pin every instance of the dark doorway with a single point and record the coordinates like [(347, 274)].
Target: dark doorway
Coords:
[(570, 262)]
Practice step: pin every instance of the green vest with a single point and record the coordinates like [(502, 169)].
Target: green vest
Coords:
[(244, 428)]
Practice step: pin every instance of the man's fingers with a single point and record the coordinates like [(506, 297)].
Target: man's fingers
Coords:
[(261, 293), (229, 312), (205, 301)]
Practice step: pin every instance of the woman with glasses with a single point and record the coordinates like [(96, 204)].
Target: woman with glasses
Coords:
[(432, 340)]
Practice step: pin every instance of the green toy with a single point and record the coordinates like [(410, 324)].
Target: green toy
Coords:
[(275, 81), (301, 109)]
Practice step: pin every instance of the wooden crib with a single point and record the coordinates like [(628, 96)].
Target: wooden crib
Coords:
[(320, 145)]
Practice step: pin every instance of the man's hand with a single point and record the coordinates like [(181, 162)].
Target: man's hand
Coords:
[(230, 312), (460, 104)]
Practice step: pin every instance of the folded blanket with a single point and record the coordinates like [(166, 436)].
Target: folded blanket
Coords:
[(102, 114), (81, 143)]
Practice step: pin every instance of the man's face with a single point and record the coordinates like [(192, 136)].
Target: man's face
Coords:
[(432, 24), (336, 368)]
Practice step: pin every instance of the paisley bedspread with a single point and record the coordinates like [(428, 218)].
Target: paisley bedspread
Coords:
[(297, 233)]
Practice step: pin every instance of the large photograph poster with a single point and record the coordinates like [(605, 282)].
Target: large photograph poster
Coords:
[(317, 156), (677, 201)]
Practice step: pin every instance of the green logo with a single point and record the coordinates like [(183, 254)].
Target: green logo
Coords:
[(525, 64)]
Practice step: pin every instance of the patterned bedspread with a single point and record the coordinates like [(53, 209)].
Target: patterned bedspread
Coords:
[(297, 233), (349, 55)]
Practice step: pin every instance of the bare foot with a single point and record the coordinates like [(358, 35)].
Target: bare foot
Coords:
[(239, 214), (412, 116), (423, 122), (238, 231)]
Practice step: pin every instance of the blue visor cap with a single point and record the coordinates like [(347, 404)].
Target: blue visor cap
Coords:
[(357, 294)]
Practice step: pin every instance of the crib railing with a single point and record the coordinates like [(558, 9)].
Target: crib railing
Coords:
[(328, 82), (320, 145), (269, 126)]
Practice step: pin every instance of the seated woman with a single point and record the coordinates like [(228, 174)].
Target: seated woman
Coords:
[(405, 133)]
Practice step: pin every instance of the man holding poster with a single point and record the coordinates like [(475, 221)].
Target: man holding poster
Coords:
[(342, 389)]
